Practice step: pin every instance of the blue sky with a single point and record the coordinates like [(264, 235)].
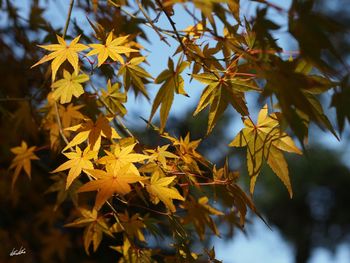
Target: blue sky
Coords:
[(262, 244)]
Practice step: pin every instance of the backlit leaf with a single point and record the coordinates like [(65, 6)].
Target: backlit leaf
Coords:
[(69, 86), (112, 48), (78, 161), (62, 52), (265, 141)]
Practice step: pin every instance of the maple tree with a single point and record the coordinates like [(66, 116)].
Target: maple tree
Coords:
[(122, 190)]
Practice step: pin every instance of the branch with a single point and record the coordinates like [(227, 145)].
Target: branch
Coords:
[(58, 118), (172, 23), (162, 38), (68, 18)]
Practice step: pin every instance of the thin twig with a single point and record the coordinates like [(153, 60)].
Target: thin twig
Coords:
[(59, 123), (58, 118), (208, 183), (68, 18), (162, 38), (150, 209), (172, 23), (183, 47)]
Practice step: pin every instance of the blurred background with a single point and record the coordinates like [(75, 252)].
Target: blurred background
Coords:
[(312, 227)]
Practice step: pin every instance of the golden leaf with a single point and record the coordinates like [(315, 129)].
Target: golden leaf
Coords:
[(159, 189), (93, 132), (69, 86), (62, 52), (78, 161), (110, 182), (22, 160), (265, 141), (122, 156), (173, 83), (111, 48)]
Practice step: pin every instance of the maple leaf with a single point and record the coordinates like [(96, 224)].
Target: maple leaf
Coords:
[(110, 182), (78, 161), (199, 214), (70, 115), (265, 141), (114, 98), (62, 194), (235, 195), (161, 155), (22, 160), (134, 75), (186, 149), (62, 52), (93, 132), (295, 90), (48, 215), (95, 226), (122, 156), (132, 226), (111, 48), (172, 83), (159, 189), (219, 93), (194, 32), (69, 86)]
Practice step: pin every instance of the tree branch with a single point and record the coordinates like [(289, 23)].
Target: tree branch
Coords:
[(162, 38), (68, 18), (58, 118), (172, 23)]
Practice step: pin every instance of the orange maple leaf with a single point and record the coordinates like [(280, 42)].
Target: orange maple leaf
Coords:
[(110, 182)]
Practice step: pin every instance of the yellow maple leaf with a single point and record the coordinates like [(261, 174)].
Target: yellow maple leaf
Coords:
[(112, 48), (159, 189), (161, 155), (187, 151), (122, 156), (110, 182), (70, 115), (93, 132), (172, 83), (62, 52), (22, 160), (78, 161), (114, 98), (68, 86), (264, 141)]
